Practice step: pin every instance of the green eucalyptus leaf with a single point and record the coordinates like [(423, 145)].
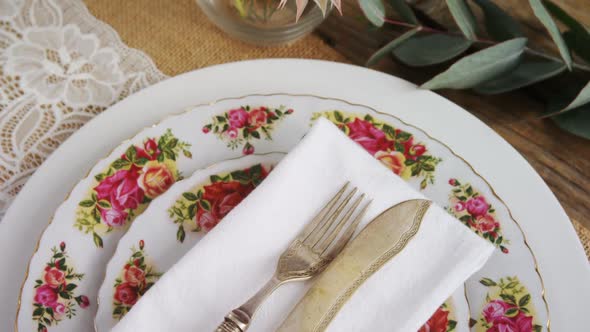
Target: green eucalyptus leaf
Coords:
[(404, 10), (499, 24), (579, 43), (527, 72), (374, 11), (391, 46), (543, 15), (480, 67), (430, 49), (564, 17), (577, 37), (582, 98), (576, 121), (464, 17)]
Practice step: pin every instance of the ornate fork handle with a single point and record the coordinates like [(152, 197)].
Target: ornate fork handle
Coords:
[(238, 320)]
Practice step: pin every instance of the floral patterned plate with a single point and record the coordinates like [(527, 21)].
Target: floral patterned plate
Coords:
[(171, 226), (60, 291)]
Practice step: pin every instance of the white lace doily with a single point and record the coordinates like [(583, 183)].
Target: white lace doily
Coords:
[(59, 67)]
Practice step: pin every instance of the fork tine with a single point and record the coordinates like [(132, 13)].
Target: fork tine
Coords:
[(322, 245), (319, 233), (343, 240), (323, 212)]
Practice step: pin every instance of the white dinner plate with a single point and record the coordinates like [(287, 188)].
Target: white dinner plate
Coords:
[(563, 271)]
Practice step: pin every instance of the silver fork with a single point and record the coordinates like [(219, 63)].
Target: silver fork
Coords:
[(319, 242)]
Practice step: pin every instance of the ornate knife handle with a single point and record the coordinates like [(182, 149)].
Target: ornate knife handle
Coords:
[(238, 320)]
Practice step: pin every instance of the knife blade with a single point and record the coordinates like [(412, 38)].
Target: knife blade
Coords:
[(381, 240)]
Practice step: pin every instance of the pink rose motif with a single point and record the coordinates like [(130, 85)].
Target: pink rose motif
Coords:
[(477, 206), (503, 324), (453, 182), (368, 136), (232, 133), (134, 275), (257, 118), (494, 310), (54, 277), (206, 130), (59, 308), (519, 323), (121, 190), (238, 118), (126, 294), (113, 217), (460, 206), (46, 296), (486, 223)]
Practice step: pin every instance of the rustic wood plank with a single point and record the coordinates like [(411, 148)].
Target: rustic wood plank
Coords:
[(562, 159)]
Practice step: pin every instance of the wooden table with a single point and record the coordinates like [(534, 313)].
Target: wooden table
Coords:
[(562, 159)]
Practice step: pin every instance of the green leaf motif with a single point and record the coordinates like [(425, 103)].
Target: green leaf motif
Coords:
[(97, 240), (190, 196), (527, 72), (430, 49), (479, 67), (464, 17), (543, 15), (404, 10), (524, 300), (499, 24), (374, 11), (390, 47), (487, 282), (86, 203)]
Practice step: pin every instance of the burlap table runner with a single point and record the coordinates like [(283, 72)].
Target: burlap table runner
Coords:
[(179, 38)]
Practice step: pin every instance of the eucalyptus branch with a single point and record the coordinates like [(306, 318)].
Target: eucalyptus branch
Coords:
[(527, 49)]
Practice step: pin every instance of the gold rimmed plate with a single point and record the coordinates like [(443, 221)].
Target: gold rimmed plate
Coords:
[(425, 162)]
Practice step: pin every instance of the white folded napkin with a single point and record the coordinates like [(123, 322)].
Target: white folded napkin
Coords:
[(237, 257)]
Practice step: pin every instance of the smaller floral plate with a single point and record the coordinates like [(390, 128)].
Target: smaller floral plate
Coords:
[(179, 218), (171, 226)]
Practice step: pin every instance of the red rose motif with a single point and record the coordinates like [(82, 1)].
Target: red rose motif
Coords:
[(126, 294), (453, 182), (121, 190), (477, 206), (417, 150), (523, 322), (54, 277), (257, 118), (83, 301), (248, 149), (460, 206), (113, 217), (237, 118), (437, 323), (494, 310), (368, 136), (46, 296), (134, 275), (206, 130), (222, 198), (486, 223), (155, 179)]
